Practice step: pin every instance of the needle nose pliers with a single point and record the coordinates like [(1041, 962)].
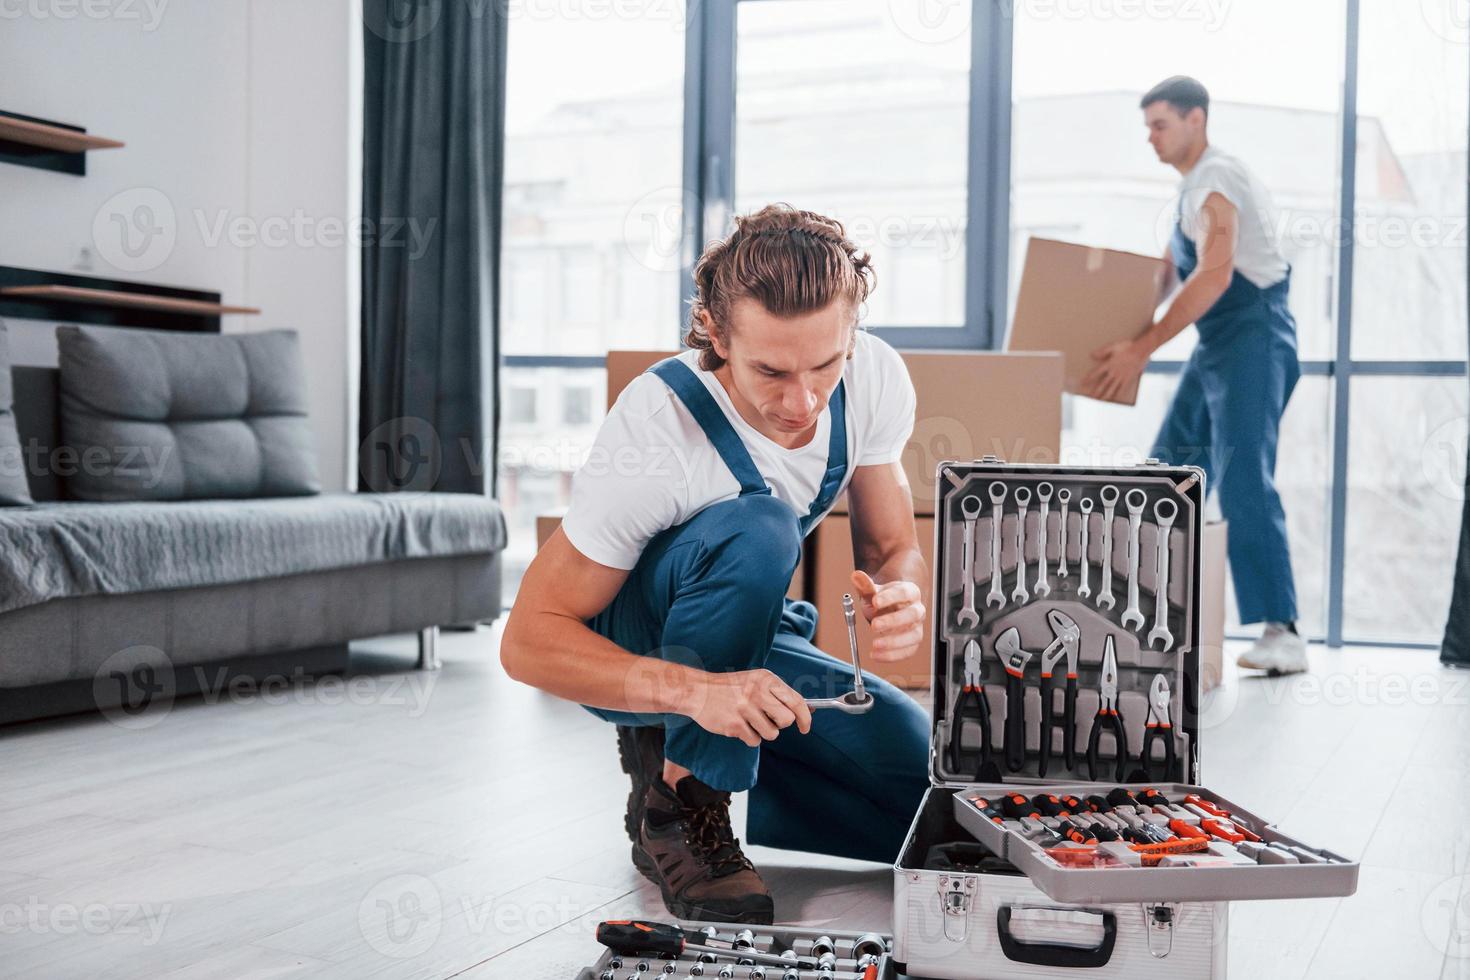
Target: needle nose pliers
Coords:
[(971, 701), (1158, 727), (1108, 716)]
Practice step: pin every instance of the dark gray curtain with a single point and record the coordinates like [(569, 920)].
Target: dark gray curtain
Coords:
[(433, 113), (1456, 647)]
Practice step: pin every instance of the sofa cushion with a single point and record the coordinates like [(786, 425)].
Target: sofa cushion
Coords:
[(13, 489), (179, 416), (63, 550)]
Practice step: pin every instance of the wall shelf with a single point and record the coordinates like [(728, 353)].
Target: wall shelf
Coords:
[(67, 297), (31, 142), (112, 297)]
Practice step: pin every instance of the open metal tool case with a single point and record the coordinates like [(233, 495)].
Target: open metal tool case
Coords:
[(1066, 611)]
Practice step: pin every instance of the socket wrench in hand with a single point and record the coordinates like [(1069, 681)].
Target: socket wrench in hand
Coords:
[(1063, 496), (1136, 499), (968, 618), (857, 701), (1023, 498), (1043, 582), (1109, 497), (1165, 511), (997, 596), (1085, 505)]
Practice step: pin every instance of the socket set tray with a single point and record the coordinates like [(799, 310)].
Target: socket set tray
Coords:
[(837, 955), (1066, 605)]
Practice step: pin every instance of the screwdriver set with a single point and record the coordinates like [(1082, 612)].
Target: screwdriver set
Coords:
[(638, 950), (1056, 671), (1066, 827)]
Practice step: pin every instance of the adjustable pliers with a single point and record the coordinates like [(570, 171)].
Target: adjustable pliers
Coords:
[(1108, 716), (971, 700)]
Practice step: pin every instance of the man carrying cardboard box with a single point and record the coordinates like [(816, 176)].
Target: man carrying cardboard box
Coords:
[(660, 603), (1226, 412)]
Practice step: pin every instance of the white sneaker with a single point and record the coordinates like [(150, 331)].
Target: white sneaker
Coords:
[(1277, 652)]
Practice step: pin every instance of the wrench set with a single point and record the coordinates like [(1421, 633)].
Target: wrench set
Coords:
[(638, 950), (1092, 575)]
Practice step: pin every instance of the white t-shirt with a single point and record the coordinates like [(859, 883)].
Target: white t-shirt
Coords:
[(1257, 255), (652, 467)]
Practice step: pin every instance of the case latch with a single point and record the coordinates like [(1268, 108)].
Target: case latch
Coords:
[(1158, 927), (991, 458), (954, 900)]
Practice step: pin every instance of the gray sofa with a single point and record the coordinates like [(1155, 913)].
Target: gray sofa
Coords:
[(259, 587)]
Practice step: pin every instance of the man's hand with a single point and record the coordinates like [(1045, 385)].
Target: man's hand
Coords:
[(896, 612), (750, 705), (1119, 368)]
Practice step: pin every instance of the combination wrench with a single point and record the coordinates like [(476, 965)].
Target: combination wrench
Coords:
[(997, 596), (1043, 582), (1023, 499), (1063, 497), (1109, 497), (1165, 510), (968, 618), (1136, 499), (1085, 505)]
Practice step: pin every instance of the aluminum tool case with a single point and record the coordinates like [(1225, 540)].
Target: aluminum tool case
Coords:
[(974, 899)]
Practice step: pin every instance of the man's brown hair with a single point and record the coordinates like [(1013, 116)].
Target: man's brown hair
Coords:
[(790, 261)]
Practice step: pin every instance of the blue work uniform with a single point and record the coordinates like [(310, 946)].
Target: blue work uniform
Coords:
[(1226, 418), (711, 593)]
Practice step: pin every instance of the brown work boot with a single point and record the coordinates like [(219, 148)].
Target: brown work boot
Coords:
[(641, 753), (687, 848)]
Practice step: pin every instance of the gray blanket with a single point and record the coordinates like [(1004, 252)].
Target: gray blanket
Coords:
[(57, 550)]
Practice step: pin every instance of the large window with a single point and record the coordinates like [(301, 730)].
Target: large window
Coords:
[(838, 110), (590, 261)]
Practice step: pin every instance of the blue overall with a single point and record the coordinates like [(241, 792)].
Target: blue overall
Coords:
[(1226, 416), (711, 593)]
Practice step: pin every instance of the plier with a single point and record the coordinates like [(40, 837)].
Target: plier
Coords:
[(1158, 727), (972, 697), (1108, 716), (1064, 628)]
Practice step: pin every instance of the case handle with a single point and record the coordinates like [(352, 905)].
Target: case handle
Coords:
[(1062, 955)]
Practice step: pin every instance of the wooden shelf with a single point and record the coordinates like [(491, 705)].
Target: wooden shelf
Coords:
[(112, 297), (51, 137)]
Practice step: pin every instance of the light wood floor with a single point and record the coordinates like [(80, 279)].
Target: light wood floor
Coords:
[(273, 836)]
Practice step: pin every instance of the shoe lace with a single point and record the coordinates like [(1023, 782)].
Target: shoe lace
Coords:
[(708, 830)]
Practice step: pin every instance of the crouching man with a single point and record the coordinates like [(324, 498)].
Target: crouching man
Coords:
[(661, 603)]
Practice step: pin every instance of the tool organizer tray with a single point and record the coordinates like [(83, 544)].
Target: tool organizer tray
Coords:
[(1047, 582), (1036, 672), (853, 956)]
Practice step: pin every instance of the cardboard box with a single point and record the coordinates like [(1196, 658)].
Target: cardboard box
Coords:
[(546, 525), (1075, 299), (830, 551), (969, 404), (1212, 604)]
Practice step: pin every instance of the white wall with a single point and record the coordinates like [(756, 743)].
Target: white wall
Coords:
[(242, 125)]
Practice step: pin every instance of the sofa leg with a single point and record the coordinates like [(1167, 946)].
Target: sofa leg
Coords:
[(429, 648)]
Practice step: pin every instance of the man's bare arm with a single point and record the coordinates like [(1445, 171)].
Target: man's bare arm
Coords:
[(886, 547), (1210, 278)]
